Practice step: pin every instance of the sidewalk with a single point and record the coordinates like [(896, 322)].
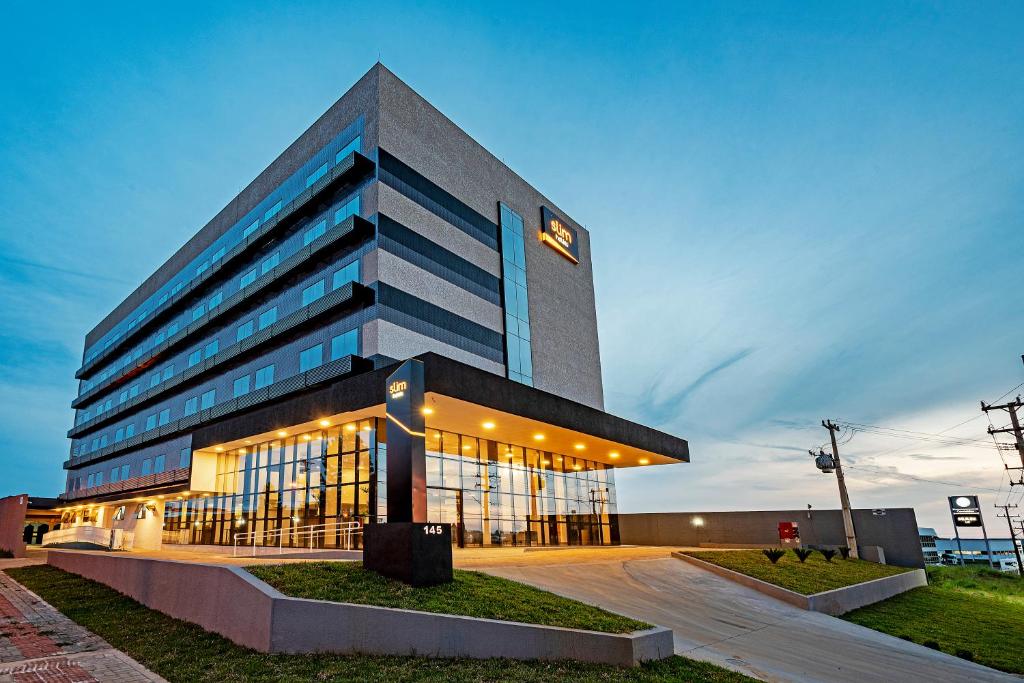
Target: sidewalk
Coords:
[(39, 644)]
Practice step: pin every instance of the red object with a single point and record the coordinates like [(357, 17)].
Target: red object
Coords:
[(789, 531)]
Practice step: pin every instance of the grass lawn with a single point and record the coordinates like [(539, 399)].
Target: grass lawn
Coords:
[(471, 594), (180, 651), (813, 576), (970, 609)]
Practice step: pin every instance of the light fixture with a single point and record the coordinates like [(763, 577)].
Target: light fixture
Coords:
[(325, 423), (644, 461), (350, 427), (538, 437), (366, 427), (577, 467), (295, 518), (247, 441), (579, 447), (488, 425), (545, 462), (282, 433), (219, 449), (307, 437), (613, 455), (466, 446), (428, 411), (697, 521)]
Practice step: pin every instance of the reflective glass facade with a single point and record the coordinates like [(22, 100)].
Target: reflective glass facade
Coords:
[(518, 352), (492, 493)]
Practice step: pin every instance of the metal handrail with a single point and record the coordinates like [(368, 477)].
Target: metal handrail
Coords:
[(313, 532)]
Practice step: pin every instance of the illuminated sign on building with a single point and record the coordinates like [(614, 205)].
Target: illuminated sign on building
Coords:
[(559, 235), (397, 388)]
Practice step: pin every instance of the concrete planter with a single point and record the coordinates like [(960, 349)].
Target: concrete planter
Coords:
[(834, 602), (235, 604)]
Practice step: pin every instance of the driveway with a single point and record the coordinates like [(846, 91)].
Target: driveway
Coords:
[(716, 620)]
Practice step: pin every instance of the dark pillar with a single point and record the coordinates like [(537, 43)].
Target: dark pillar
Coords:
[(407, 547)]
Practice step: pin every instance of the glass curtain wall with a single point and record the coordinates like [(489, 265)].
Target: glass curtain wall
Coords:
[(493, 493)]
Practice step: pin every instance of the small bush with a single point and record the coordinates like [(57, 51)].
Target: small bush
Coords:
[(774, 554), (844, 550), (803, 553), (4, 552), (933, 644), (828, 554), (906, 637), (965, 654)]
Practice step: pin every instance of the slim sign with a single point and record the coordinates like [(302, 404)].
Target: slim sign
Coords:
[(559, 235), (966, 510)]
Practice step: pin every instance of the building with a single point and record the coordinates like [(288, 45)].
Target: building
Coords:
[(24, 520), (997, 551), (238, 392)]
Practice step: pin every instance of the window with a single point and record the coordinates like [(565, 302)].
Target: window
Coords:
[(103, 441), (99, 479), (219, 254), (349, 209), (270, 263), (185, 458), (129, 431), (124, 472), (158, 464), (314, 232), (151, 422), (114, 474), (119, 513), (207, 399), (518, 353), (215, 300), (264, 376), (243, 331), (147, 467), (119, 435), (134, 391), (348, 149), (268, 317), (251, 229), (168, 372), (211, 348), (346, 344), (203, 267), (312, 293), (272, 211), (241, 386), (123, 397), (317, 174), (154, 380), (349, 273), (191, 406), (198, 312), (89, 483), (247, 279), (172, 329), (195, 357), (312, 357), (165, 417)]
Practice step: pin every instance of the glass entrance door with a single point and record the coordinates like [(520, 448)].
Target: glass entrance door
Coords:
[(444, 505)]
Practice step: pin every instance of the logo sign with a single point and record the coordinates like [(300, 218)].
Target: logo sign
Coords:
[(559, 235), (789, 532), (398, 388), (966, 510)]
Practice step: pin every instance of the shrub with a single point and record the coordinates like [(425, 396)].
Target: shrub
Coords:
[(844, 550), (4, 552), (828, 554), (774, 554), (906, 637), (803, 553), (965, 654), (933, 644)]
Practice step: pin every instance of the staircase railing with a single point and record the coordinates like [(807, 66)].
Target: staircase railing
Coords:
[(310, 536)]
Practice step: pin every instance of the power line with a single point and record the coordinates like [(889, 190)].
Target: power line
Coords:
[(902, 475)]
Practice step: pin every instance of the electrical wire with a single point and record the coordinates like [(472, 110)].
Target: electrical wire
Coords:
[(902, 475)]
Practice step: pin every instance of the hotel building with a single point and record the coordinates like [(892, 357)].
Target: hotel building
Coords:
[(238, 394)]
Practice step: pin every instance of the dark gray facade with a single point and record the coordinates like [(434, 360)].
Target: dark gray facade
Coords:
[(895, 531)]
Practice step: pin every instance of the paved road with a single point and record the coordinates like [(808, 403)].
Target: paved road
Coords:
[(722, 622)]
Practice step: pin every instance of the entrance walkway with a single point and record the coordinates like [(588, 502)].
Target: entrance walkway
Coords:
[(716, 620), (38, 643)]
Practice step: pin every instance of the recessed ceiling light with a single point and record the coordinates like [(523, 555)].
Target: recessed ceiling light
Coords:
[(538, 437), (350, 428), (306, 437), (466, 446), (247, 441), (545, 462), (325, 423), (282, 433), (579, 447), (428, 410), (488, 425), (644, 461), (218, 449), (577, 467), (613, 454)]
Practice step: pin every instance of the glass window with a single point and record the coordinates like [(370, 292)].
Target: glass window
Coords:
[(215, 300), (247, 279), (314, 232), (241, 386), (312, 293), (165, 417), (270, 263), (151, 422), (244, 330), (158, 464), (268, 317), (168, 372), (114, 474), (195, 357), (346, 344), (207, 399), (349, 273), (251, 229), (264, 376), (211, 348), (311, 358), (89, 484), (147, 467), (317, 174), (185, 458), (154, 380), (129, 431), (191, 406), (348, 149), (198, 312), (272, 211), (124, 472), (349, 209)]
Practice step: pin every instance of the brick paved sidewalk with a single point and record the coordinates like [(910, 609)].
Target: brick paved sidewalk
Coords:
[(39, 644)]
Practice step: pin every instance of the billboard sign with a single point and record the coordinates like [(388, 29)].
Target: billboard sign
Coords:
[(966, 511)]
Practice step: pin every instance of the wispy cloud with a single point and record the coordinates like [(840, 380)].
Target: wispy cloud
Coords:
[(662, 409)]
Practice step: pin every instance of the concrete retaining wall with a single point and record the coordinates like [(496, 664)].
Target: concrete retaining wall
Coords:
[(892, 529), (230, 601), (834, 602)]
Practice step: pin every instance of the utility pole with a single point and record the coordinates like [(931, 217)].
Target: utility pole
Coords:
[(844, 497), (1014, 428), (1013, 534)]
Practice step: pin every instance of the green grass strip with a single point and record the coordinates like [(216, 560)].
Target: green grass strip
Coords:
[(180, 651)]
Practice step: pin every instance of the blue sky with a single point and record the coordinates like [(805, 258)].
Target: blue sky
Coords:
[(797, 212)]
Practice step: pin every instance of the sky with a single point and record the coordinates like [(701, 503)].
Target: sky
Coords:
[(798, 211)]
